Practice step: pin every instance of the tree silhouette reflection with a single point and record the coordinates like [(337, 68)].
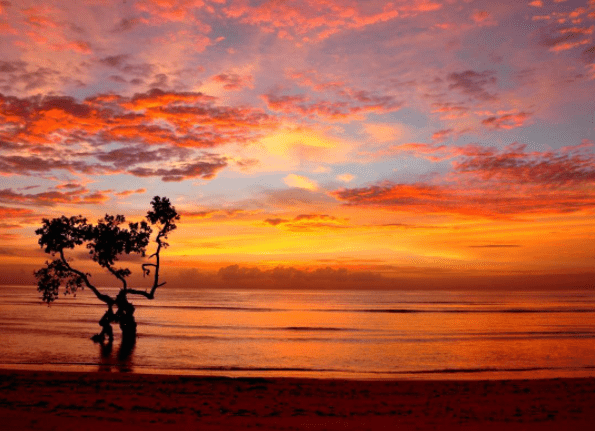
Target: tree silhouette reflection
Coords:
[(122, 361)]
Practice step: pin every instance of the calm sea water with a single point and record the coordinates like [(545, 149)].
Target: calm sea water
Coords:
[(354, 334)]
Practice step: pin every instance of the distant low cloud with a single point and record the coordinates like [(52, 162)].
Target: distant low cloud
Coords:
[(308, 222), (288, 276)]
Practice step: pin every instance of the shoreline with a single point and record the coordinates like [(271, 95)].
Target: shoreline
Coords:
[(44, 400), (464, 374)]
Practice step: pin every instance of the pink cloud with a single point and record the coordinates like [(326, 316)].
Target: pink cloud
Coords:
[(315, 20), (442, 135), (170, 10), (338, 102), (507, 121)]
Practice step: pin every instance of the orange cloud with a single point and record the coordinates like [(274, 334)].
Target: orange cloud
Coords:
[(308, 222), (299, 181), (53, 197), (491, 183), (218, 214), (13, 218), (174, 123), (127, 193)]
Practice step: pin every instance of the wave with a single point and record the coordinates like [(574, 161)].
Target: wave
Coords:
[(318, 372), (212, 307), (460, 310), (377, 310), (466, 307)]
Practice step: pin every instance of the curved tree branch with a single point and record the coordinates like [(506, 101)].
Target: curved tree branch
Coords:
[(102, 297), (118, 276), (151, 294)]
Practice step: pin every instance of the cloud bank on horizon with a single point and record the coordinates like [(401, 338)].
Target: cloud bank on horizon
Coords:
[(406, 139)]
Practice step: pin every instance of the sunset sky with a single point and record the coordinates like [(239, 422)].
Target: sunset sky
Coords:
[(314, 143)]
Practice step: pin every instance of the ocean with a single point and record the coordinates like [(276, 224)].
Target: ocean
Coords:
[(359, 334)]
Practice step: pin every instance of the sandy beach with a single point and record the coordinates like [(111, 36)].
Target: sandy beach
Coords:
[(73, 401)]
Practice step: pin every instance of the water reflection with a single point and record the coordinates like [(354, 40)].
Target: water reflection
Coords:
[(377, 334), (121, 362)]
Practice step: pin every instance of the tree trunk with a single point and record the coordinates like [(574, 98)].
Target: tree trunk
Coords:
[(125, 317)]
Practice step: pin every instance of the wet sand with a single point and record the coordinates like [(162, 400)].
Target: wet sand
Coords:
[(114, 401)]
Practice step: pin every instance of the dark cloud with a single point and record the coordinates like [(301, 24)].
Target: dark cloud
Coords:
[(29, 165), (137, 154), (12, 66), (197, 169), (15, 75), (589, 54), (474, 84), (233, 81), (159, 81), (126, 24), (116, 61), (122, 62), (53, 197), (117, 78)]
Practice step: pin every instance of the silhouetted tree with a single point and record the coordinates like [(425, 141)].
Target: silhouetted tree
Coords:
[(106, 241)]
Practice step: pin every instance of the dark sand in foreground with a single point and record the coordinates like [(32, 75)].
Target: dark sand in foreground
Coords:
[(112, 401)]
